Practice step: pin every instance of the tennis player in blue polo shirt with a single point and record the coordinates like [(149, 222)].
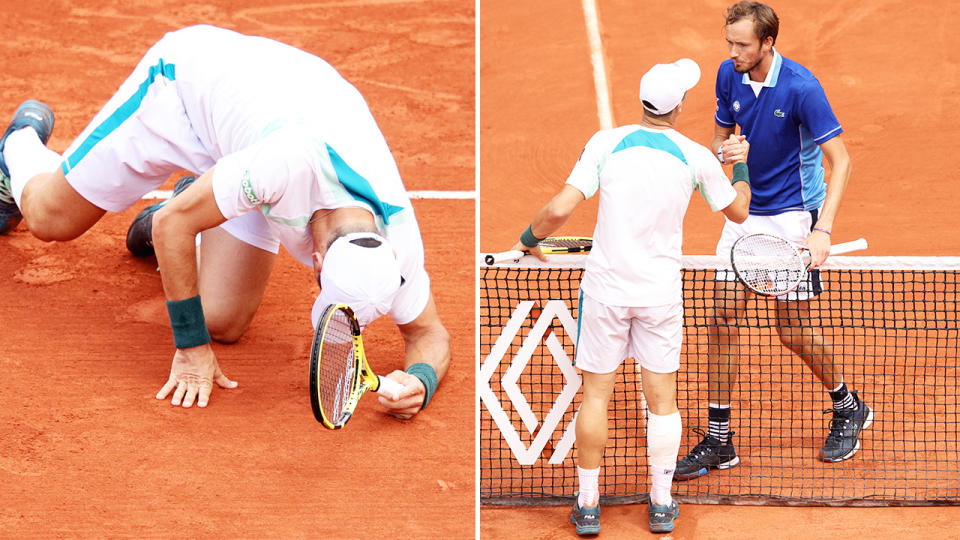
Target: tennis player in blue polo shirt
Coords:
[(784, 114)]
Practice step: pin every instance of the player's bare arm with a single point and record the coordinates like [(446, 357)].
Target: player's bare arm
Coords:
[(175, 226), (739, 209), (552, 216), (427, 342), (837, 157)]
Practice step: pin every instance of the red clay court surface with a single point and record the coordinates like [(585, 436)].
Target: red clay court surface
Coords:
[(896, 94), (86, 450)]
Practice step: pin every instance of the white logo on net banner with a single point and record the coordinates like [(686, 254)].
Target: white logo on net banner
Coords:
[(529, 455)]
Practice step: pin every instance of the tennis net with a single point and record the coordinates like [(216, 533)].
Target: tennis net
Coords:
[(893, 325)]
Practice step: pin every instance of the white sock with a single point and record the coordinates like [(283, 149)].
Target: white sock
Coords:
[(660, 482), (663, 445), (589, 487), (26, 156)]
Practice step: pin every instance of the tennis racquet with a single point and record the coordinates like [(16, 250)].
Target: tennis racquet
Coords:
[(551, 245), (769, 265), (339, 372)]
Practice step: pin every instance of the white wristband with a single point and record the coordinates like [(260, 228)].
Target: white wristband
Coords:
[(720, 155)]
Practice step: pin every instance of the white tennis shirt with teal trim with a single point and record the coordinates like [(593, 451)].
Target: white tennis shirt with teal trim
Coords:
[(645, 178), (290, 136), (286, 133)]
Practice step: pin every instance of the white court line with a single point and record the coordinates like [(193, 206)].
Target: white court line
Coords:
[(604, 111), (428, 194), (442, 194)]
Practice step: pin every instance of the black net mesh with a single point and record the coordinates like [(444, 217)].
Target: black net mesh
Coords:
[(893, 333)]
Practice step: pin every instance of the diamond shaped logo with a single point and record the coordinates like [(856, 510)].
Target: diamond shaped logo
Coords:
[(554, 309)]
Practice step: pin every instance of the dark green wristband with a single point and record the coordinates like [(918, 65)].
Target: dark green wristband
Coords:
[(740, 173), (189, 326), (428, 376), (528, 239)]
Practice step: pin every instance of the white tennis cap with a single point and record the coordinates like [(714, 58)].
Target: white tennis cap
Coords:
[(664, 85), (360, 270)]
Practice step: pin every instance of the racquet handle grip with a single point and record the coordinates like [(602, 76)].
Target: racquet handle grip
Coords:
[(389, 388), (494, 258), (847, 247)]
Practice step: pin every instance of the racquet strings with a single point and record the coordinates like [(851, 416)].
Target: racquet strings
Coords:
[(767, 264), (337, 366)]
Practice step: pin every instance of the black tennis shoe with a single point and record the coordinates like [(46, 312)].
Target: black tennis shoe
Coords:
[(710, 453), (587, 520), (843, 441), (30, 113), (661, 517), (140, 233)]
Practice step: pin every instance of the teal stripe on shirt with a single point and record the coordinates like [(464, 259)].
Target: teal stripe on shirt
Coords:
[(656, 141), (120, 115), (358, 187)]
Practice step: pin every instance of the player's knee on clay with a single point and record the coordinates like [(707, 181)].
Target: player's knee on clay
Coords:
[(52, 227), (225, 326)]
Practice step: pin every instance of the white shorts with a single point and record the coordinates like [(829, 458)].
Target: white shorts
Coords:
[(794, 226), (137, 140), (609, 334), (251, 228)]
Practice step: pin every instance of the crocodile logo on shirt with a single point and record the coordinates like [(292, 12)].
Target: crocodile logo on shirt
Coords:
[(247, 187), (779, 114)]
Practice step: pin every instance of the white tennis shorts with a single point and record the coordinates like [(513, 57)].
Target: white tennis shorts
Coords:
[(137, 140), (609, 334), (794, 226)]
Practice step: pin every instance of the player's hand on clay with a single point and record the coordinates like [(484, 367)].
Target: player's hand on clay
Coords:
[(735, 148), (819, 244), (192, 375), (409, 400)]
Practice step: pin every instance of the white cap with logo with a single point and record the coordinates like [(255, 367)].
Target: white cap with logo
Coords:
[(360, 270), (664, 85)]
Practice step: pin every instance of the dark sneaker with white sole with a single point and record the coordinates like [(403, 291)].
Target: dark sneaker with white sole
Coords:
[(710, 453), (843, 441), (140, 233)]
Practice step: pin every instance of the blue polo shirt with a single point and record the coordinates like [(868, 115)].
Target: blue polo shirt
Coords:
[(785, 126)]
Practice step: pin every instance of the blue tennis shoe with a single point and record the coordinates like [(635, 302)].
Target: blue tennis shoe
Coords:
[(587, 520), (661, 517), (30, 113)]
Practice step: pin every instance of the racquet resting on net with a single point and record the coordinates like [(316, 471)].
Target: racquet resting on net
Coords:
[(769, 265), (339, 372), (551, 245)]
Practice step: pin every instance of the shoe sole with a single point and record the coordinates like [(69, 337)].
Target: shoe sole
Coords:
[(661, 527), (704, 470), (585, 530), (856, 447)]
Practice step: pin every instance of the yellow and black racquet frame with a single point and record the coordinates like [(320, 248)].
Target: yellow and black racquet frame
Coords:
[(552, 245), (345, 363)]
